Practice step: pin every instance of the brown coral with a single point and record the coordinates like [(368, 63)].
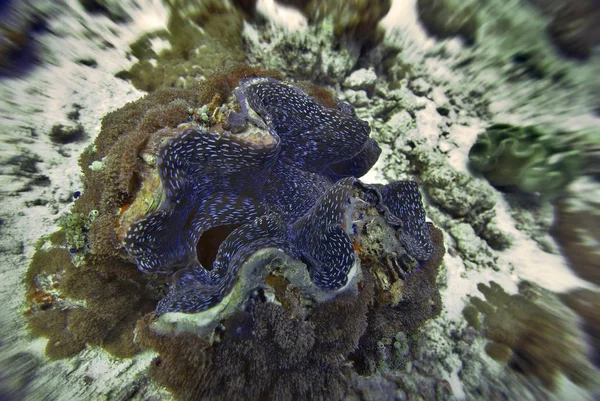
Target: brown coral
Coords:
[(533, 332), (295, 348), (445, 19), (291, 350), (401, 305), (265, 352), (204, 37), (585, 303), (574, 28), (577, 230), (356, 20), (97, 304)]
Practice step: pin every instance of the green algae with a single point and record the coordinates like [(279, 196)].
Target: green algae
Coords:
[(524, 157), (75, 227)]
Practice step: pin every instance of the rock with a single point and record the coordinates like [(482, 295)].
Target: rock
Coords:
[(361, 79), (472, 248), (66, 133), (357, 98), (420, 87), (401, 122), (445, 145), (11, 246)]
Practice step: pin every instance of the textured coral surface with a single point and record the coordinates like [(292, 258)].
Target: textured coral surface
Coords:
[(296, 349), (524, 157), (291, 190), (238, 200), (526, 334)]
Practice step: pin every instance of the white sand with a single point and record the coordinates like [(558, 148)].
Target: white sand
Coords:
[(38, 101)]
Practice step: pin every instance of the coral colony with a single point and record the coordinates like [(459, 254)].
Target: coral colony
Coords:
[(526, 158), (256, 245), (291, 189)]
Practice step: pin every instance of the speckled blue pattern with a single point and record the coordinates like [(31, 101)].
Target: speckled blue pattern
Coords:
[(293, 194), (404, 201)]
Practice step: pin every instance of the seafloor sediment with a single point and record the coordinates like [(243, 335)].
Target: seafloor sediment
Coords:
[(492, 112)]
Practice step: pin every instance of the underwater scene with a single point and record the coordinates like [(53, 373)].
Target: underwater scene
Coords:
[(240, 200)]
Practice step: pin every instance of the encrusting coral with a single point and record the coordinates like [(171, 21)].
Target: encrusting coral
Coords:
[(244, 190)]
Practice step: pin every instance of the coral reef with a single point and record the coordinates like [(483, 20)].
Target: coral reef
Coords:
[(446, 360), (530, 331), (207, 36), (459, 196), (403, 306), (572, 26), (65, 302), (446, 18), (252, 206), (314, 54), (354, 20), (267, 352), (201, 38), (287, 186), (524, 157), (475, 252), (265, 344), (276, 316), (66, 305), (577, 228), (455, 197)]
